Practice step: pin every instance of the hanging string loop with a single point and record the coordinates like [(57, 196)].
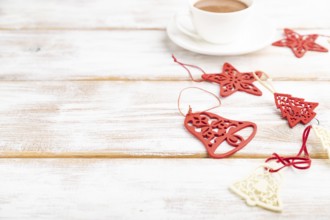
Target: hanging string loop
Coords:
[(203, 90), (267, 84), (184, 65)]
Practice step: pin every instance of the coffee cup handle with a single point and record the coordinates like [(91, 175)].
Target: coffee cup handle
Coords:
[(184, 27)]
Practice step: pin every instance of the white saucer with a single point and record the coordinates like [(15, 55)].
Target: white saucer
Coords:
[(258, 34)]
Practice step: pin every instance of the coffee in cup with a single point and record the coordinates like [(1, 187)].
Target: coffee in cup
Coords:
[(220, 6), (216, 21)]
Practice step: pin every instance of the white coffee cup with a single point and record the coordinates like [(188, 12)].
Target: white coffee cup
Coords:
[(215, 27)]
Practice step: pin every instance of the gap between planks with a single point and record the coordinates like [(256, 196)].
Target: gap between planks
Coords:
[(160, 79), (107, 155), (124, 29)]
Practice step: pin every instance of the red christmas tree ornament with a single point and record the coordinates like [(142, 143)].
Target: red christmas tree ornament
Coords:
[(300, 44), (295, 110), (230, 79), (212, 130)]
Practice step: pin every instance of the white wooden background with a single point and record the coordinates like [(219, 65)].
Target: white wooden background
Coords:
[(89, 127)]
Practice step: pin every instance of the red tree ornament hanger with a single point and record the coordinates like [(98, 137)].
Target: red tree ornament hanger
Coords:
[(230, 79), (300, 44), (301, 161), (293, 109), (213, 130)]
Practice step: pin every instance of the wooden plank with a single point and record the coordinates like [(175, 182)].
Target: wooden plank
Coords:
[(143, 14), (136, 55), (149, 189), (140, 119)]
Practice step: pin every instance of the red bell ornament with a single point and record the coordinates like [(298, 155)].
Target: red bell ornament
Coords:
[(213, 130)]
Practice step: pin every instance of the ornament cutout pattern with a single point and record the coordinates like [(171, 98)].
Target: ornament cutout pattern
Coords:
[(294, 109), (212, 130), (231, 81), (324, 135), (299, 44), (261, 189)]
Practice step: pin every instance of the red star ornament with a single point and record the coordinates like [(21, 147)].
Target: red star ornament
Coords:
[(299, 44), (212, 130), (294, 109), (231, 80)]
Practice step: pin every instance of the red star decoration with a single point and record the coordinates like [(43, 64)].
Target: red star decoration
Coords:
[(231, 80), (299, 44), (294, 109)]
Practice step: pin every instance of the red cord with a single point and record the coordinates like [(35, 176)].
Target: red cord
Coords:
[(193, 66), (299, 161)]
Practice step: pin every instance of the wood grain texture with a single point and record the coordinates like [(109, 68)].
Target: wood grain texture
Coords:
[(136, 55), (149, 189), (142, 14), (70, 87), (125, 119)]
